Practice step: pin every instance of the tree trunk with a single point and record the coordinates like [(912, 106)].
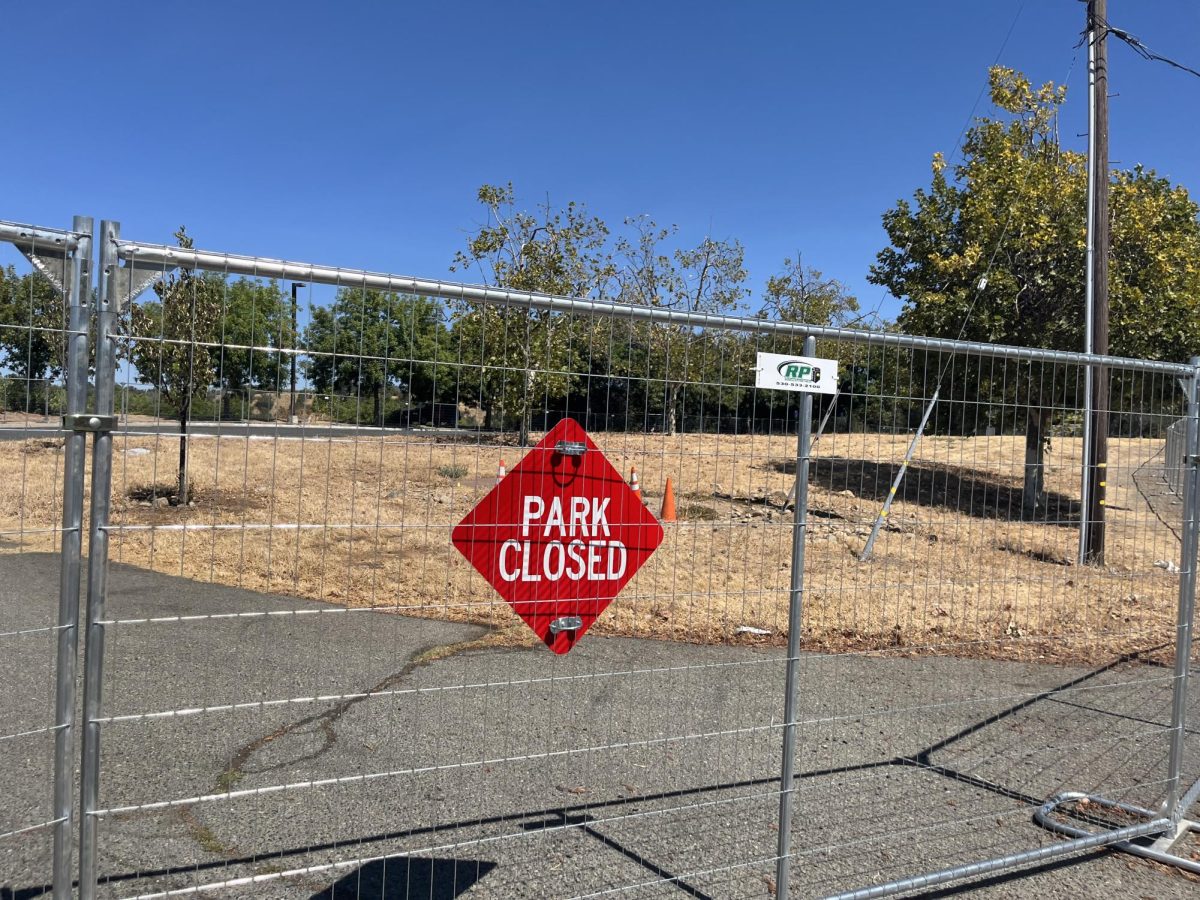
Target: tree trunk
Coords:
[(185, 411), (526, 405), (671, 409), (379, 406), (1033, 496), (526, 425)]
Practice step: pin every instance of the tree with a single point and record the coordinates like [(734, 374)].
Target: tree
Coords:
[(171, 344), (32, 336), (798, 293), (708, 278), (370, 340), (522, 353), (254, 317), (802, 294), (1014, 208)]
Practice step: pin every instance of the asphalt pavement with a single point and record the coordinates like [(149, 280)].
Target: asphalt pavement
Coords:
[(413, 761)]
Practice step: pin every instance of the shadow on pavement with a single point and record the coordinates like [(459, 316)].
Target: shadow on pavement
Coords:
[(401, 878), (407, 878)]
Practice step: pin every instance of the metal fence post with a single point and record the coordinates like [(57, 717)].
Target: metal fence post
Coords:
[(1187, 595), (93, 669), (78, 299), (795, 633), (1085, 483)]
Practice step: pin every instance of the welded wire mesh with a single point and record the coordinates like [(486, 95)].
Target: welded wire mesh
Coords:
[(1173, 452), (307, 689), (33, 360)]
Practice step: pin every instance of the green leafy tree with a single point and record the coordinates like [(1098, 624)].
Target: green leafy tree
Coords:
[(709, 278), (371, 341), (1014, 208), (32, 337), (524, 354), (803, 294), (255, 317), (172, 341)]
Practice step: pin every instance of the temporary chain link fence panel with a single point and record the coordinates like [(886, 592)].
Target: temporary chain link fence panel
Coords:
[(353, 701), (295, 685), (44, 354), (361, 709)]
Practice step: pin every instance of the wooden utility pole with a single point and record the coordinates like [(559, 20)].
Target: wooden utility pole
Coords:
[(1096, 439)]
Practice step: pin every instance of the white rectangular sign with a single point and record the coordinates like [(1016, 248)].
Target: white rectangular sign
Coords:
[(796, 373)]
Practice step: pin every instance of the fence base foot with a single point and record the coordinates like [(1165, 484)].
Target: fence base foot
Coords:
[(1082, 840), (1159, 850)]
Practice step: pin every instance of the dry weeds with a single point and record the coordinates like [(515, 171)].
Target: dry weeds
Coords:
[(956, 571)]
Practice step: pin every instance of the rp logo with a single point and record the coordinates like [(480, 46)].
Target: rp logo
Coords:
[(793, 370)]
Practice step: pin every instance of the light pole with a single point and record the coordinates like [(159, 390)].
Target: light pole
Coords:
[(292, 417)]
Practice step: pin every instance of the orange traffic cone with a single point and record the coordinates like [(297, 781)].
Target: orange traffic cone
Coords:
[(668, 507), (634, 484), (500, 473)]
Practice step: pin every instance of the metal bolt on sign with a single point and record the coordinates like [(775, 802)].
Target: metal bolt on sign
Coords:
[(566, 623), (571, 448)]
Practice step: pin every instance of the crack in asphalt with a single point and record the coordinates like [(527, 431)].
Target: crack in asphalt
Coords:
[(325, 721)]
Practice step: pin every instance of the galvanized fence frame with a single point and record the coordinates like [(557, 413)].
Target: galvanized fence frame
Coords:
[(64, 257), (119, 285)]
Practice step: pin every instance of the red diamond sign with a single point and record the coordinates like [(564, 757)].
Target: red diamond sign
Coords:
[(559, 536)]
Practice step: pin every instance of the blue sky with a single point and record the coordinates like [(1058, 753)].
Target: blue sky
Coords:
[(357, 133)]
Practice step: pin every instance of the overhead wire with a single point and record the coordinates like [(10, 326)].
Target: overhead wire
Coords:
[(873, 315), (1138, 46)]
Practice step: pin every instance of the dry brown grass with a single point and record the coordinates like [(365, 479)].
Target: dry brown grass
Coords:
[(956, 571)]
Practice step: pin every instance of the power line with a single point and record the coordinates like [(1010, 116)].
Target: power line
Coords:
[(1141, 49), (874, 313)]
